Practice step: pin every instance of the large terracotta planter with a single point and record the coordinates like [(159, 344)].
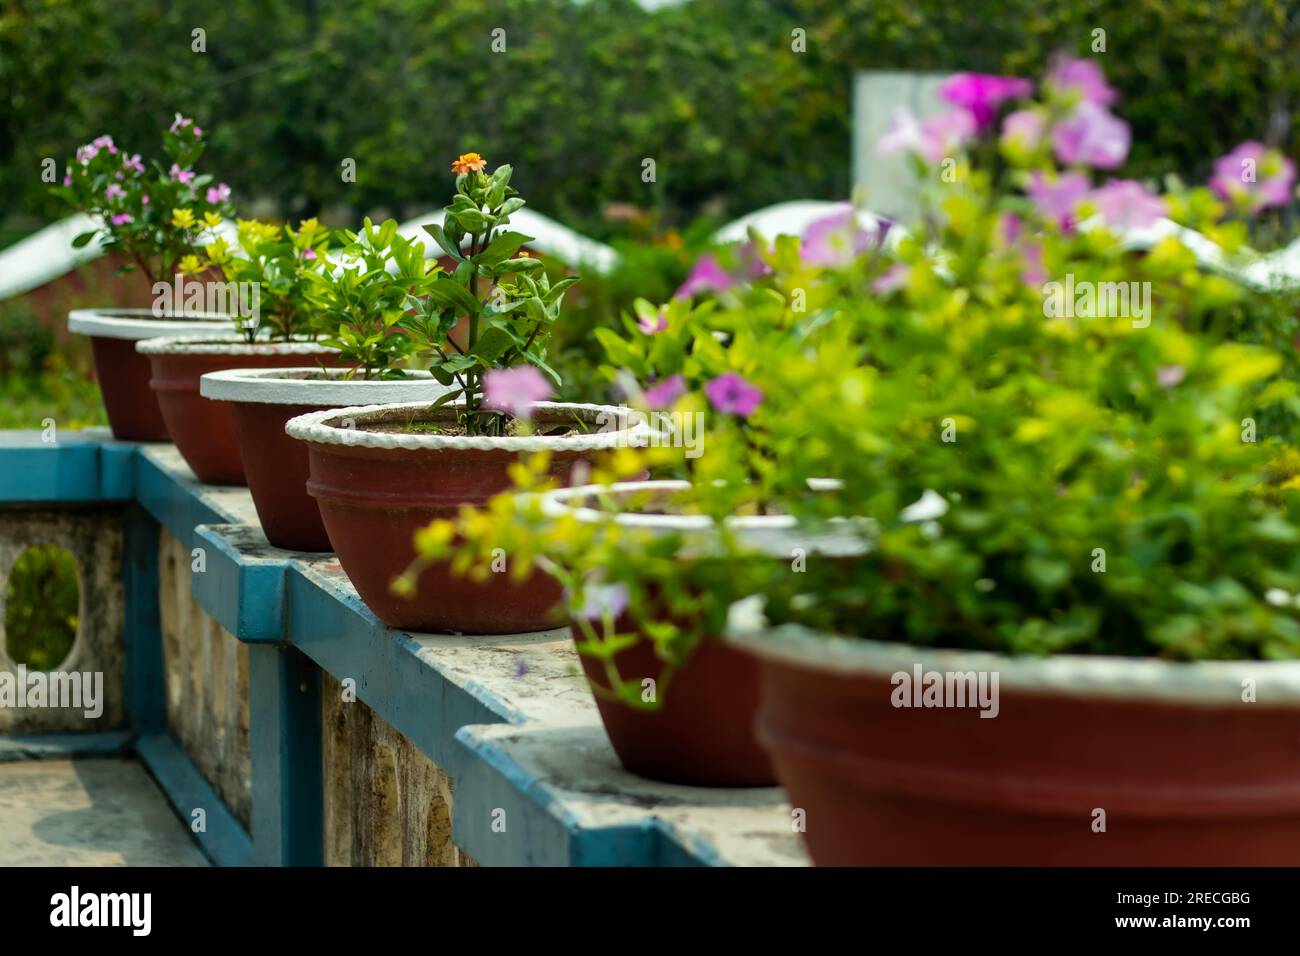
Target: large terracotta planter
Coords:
[(1167, 757), (375, 489), (123, 374), (262, 401), (702, 732), (204, 430)]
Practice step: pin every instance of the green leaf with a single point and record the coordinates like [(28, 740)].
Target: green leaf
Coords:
[(450, 293), (440, 237), (84, 238), (503, 246)]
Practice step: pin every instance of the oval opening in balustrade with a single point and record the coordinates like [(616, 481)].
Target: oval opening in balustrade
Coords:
[(42, 607)]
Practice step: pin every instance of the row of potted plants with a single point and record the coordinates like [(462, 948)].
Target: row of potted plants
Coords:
[(979, 575), (366, 388), (978, 578)]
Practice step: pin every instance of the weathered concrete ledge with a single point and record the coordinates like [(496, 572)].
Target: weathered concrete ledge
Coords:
[(509, 720)]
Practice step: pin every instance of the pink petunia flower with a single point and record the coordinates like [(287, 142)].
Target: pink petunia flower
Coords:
[(309, 253), (653, 325), (197, 132), (180, 122), (180, 175), (1024, 129), (1254, 177), (144, 199), (1056, 199), (218, 194), (934, 139), (732, 395), (1083, 78), (835, 240), (891, 280), (515, 390), (980, 94), (114, 191), (663, 394), (122, 218), (706, 276), (132, 163), (1125, 204), (86, 153), (1091, 136)]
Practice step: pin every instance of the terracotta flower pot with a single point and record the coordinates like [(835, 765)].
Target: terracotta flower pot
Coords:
[(1090, 761), (262, 401), (123, 374), (204, 430), (702, 733), (376, 488)]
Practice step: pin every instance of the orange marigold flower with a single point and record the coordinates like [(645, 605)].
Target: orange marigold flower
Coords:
[(469, 163)]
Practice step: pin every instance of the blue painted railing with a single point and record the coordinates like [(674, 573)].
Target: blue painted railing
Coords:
[(508, 719)]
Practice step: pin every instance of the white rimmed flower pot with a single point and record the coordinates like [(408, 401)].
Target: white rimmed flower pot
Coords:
[(262, 401), (202, 429), (702, 732), (122, 373), (928, 757), (376, 488)]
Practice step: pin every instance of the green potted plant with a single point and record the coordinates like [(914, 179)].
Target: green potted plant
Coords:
[(356, 308), (263, 279), (381, 473), (132, 205)]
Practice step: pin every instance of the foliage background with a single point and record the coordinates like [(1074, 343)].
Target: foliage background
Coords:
[(586, 90)]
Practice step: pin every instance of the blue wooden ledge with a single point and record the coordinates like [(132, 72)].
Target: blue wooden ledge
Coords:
[(509, 718)]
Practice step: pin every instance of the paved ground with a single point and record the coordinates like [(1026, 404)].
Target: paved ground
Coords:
[(88, 812)]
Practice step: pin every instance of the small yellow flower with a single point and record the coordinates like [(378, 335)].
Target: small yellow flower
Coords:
[(190, 265), (469, 163), (182, 218), (211, 220)]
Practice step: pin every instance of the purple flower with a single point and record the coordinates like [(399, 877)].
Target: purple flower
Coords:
[(663, 394), (835, 240), (752, 261), (67, 179), (732, 395), (103, 142), (309, 253), (218, 194), (197, 132), (180, 122), (180, 175), (132, 163), (654, 324), (1024, 129), (599, 600), (1035, 271), (1091, 136), (144, 199), (1170, 375), (114, 191), (1254, 177), (515, 390), (1125, 204), (1055, 199), (935, 139), (1010, 226), (981, 93), (706, 276), (121, 219), (1074, 76), (86, 153), (891, 280)]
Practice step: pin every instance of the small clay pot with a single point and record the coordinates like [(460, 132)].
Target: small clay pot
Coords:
[(262, 401), (122, 373), (204, 430), (703, 731), (1089, 761), (375, 489)]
